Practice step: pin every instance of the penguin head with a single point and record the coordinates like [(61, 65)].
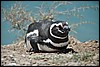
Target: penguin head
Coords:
[(59, 29)]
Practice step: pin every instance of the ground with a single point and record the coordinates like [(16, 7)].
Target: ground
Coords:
[(87, 55)]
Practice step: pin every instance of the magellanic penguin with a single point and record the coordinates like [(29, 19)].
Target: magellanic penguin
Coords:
[(47, 36)]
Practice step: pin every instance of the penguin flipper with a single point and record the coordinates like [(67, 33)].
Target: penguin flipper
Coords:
[(34, 46)]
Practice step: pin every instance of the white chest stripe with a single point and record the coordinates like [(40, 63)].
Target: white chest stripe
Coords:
[(36, 32), (55, 44), (45, 48)]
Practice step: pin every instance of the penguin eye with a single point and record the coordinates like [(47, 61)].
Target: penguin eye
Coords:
[(55, 27), (60, 27), (65, 24)]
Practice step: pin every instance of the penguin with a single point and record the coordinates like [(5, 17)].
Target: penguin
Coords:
[(48, 36)]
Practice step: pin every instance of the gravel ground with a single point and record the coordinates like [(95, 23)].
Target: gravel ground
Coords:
[(87, 55)]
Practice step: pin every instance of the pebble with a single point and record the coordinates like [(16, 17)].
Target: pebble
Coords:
[(4, 56), (69, 55), (35, 64), (45, 59), (15, 58), (96, 56), (72, 64), (2, 59), (23, 55), (33, 61), (11, 56), (11, 64)]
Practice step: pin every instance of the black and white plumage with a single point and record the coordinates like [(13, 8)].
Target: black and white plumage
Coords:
[(47, 36)]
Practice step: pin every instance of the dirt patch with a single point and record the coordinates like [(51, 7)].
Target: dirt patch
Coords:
[(16, 55)]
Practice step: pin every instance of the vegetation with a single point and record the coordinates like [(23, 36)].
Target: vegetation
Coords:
[(20, 18)]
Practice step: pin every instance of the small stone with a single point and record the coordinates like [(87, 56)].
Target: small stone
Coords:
[(95, 41), (53, 64), (33, 61), (96, 56), (23, 55), (15, 59), (11, 56), (45, 59), (11, 64), (2, 59), (34, 64), (69, 55), (4, 56)]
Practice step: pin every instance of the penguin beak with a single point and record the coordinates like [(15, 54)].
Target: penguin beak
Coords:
[(67, 28)]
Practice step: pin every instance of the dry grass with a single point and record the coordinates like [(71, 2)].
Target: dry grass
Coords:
[(88, 55)]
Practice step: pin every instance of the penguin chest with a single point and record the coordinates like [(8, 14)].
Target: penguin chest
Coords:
[(45, 48)]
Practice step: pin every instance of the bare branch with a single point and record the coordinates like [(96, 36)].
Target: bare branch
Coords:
[(73, 26)]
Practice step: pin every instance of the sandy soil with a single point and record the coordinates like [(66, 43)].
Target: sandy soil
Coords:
[(87, 55)]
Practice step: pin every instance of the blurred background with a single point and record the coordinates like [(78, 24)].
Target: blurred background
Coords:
[(76, 12)]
